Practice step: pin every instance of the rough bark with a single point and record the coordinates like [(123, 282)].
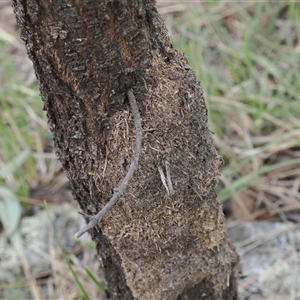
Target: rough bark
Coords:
[(155, 244)]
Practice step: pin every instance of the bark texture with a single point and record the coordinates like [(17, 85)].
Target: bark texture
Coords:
[(160, 241)]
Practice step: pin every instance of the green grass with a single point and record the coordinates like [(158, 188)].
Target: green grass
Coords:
[(246, 57), (18, 128)]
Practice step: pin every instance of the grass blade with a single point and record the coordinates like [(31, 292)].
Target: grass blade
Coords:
[(95, 280)]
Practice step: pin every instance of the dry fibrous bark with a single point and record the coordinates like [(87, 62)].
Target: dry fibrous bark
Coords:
[(165, 238)]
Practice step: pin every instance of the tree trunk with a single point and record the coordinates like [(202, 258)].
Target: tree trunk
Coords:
[(166, 236)]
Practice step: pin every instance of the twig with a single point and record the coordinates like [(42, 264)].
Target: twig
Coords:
[(170, 185), (252, 243), (94, 220), (163, 179)]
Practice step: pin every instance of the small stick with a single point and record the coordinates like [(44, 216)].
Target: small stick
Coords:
[(170, 185), (163, 179), (94, 220)]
